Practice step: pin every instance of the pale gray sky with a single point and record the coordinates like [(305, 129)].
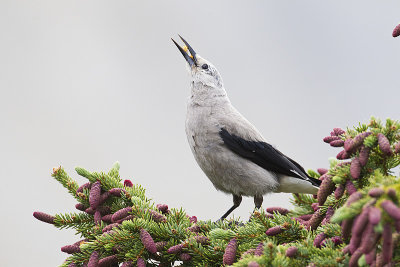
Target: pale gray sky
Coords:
[(91, 82)]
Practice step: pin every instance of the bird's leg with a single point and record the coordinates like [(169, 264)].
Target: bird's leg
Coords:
[(236, 203), (258, 200)]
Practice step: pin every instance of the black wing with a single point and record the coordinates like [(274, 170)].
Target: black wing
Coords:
[(265, 156)]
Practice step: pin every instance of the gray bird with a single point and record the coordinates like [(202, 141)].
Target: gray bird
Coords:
[(228, 148)]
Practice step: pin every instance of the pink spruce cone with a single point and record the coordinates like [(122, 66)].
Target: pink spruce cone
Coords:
[(355, 168), (147, 241), (315, 206), (279, 210), (253, 264), (94, 197), (163, 208), (122, 213), (104, 197), (348, 144), (330, 139), (351, 145), (110, 227), (140, 262), (201, 239), (44, 217), (397, 148), (175, 249), (351, 189), (71, 249), (339, 191), (326, 188), (274, 230), (370, 257), (116, 191), (108, 261), (391, 192), (230, 252), (360, 222), (129, 217), (291, 252), (157, 217), (387, 246), (305, 217), (384, 145), (358, 227), (342, 155), (364, 155), (323, 176), (107, 218), (247, 252), (185, 257), (329, 213), (356, 196), (354, 258), (322, 171), (391, 209), (94, 259), (90, 211), (193, 219), (346, 250), (346, 228), (72, 264), (86, 186), (160, 245), (195, 228), (301, 221), (269, 215), (337, 240), (97, 217), (318, 240), (128, 264), (337, 143), (338, 131), (315, 220), (128, 183), (376, 192), (259, 251), (108, 232), (369, 239), (80, 207), (104, 210), (374, 216), (396, 31)]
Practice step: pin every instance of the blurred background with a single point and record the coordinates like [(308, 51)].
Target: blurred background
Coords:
[(87, 83)]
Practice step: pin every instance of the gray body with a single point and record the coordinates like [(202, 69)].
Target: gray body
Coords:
[(209, 110)]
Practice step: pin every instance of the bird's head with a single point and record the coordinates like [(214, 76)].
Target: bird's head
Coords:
[(201, 70)]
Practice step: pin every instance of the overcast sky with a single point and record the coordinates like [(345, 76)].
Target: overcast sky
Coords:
[(87, 83)]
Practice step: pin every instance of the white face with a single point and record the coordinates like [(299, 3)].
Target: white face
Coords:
[(204, 72)]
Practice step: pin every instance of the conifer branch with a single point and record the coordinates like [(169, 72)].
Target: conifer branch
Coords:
[(354, 220)]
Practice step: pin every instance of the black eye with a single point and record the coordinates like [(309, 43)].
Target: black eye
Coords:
[(204, 66)]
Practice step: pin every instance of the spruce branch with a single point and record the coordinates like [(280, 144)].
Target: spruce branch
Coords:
[(353, 220)]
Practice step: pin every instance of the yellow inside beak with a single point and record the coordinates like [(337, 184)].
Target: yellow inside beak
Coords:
[(186, 49)]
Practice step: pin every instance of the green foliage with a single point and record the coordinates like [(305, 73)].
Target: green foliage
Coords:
[(203, 243)]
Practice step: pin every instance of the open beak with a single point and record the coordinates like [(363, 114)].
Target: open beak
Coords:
[(191, 59)]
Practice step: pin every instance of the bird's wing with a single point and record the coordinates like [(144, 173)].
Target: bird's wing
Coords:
[(265, 156)]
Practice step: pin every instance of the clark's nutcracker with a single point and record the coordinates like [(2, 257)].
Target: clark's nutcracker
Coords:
[(228, 148)]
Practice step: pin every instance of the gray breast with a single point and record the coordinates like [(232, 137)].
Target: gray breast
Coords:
[(227, 171)]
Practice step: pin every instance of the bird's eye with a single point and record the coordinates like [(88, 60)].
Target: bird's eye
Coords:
[(204, 66)]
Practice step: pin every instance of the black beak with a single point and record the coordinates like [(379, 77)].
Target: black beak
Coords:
[(190, 59)]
